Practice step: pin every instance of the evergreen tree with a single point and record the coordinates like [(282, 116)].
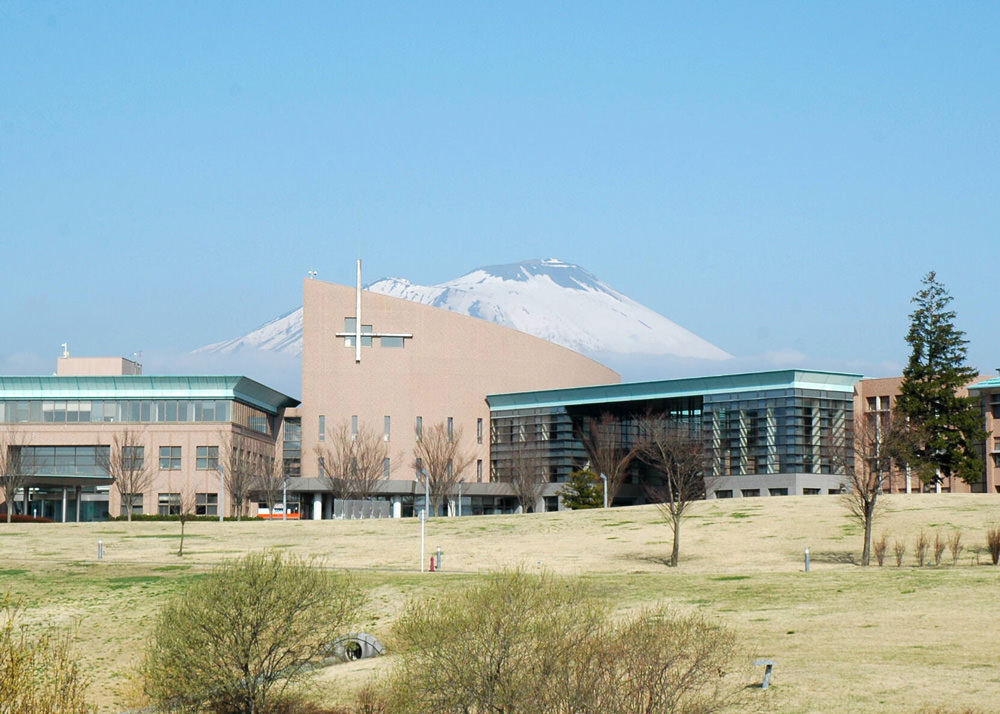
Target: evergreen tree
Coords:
[(945, 429), (583, 490)]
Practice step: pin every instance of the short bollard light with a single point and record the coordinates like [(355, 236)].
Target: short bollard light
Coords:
[(439, 558), (100, 549), (807, 560), (768, 665)]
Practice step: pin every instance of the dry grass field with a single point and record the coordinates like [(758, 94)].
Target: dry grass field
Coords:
[(846, 639)]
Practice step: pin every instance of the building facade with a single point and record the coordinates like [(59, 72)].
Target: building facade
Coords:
[(765, 433), (68, 428)]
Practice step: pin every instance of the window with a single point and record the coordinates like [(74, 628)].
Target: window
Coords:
[(385, 428), (479, 430), (135, 499), (811, 492), (354, 426), (726, 493), (750, 492), (451, 428), (207, 458), (133, 458), (169, 504), (322, 427), (321, 465), (419, 468), (479, 470), (170, 458), (206, 504), (996, 460), (420, 427), (392, 341), (386, 468), (778, 491)]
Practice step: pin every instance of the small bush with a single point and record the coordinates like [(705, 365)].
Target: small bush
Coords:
[(921, 550), (993, 543), (880, 547), (939, 546), (899, 548), (955, 546), (237, 641), (38, 674)]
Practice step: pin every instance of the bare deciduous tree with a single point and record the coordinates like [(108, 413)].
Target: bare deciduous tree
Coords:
[(440, 460), (125, 461), (353, 463), (525, 469), (868, 454), (270, 482), (606, 442), (185, 513), (241, 459), (15, 471), (676, 450)]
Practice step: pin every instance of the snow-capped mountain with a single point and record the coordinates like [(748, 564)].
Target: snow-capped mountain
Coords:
[(557, 301)]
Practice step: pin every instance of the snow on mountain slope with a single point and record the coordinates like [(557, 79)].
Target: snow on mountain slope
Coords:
[(556, 301), (559, 302), (282, 334)]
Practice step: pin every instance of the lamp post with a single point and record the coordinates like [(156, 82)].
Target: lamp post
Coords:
[(605, 489), (423, 518), (460, 482), (284, 500), (222, 492)]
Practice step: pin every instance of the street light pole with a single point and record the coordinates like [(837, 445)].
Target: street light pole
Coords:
[(423, 519), (222, 492), (284, 500), (460, 482), (605, 489)]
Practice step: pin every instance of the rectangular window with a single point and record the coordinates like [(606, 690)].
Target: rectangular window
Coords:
[(207, 458), (135, 499), (479, 471), (872, 404), (420, 427), (169, 504), (386, 468), (811, 492), (750, 492), (778, 491), (322, 427), (170, 458), (206, 504), (996, 460), (726, 493), (392, 341), (385, 428), (321, 465), (354, 425), (451, 428), (133, 458), (479, 431)]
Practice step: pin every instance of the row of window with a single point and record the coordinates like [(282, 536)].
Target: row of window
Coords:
[(387, 427), (134, 411)]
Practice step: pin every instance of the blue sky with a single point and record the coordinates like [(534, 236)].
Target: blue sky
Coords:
[(776, 177)]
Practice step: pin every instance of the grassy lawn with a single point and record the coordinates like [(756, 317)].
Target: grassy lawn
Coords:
[(846, 639)]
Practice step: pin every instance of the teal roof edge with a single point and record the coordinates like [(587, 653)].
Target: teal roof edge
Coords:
[(993, 383), (144, 386), (683, 387)]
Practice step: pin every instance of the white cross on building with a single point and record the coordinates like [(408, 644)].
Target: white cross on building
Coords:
[(361, 335)]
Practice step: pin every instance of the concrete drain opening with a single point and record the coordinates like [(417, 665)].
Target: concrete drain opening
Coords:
[(355, 646)]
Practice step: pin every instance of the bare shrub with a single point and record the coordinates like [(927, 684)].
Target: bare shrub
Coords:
[(955, 546), (939, 546), (880, 547), (899, 548), (993, 543), (238, 640), (38, 674), (520, 643), (921, 548)]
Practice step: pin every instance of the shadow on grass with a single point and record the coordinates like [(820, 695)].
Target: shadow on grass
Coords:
[(834, 557)]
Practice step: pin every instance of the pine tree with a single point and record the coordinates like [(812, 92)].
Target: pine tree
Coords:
[(946, 429), (583, 490)]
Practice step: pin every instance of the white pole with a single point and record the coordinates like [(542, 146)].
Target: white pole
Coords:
[(284, 500), (605, 489), (222, 493), (461, 481)]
